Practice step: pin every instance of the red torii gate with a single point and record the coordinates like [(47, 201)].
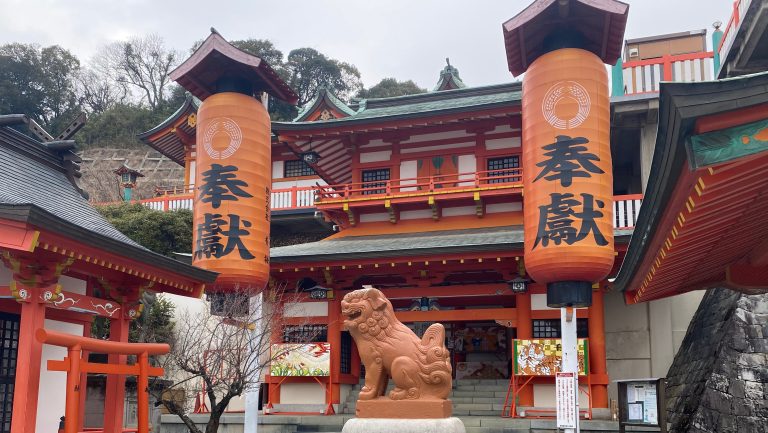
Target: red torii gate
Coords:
[(74, 365)]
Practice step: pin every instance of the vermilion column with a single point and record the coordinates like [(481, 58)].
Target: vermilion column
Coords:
[(597, 363), (28, 358), (115, 392), (334, 337), (524, 331), (84, 380)]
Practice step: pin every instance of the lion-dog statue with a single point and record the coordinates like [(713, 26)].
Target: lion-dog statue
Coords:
[(420, 367)]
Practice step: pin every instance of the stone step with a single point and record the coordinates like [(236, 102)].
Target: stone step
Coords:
[(481, 387), (465, 393), (472, 406)]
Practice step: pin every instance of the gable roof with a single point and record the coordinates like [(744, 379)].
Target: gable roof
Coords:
[(449, 79), (36, 190), (324, 99), (168, 137)]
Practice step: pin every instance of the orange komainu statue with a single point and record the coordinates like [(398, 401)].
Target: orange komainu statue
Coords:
[(420, 368)]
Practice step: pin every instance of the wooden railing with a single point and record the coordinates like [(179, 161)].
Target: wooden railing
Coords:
[(625, 210), (731, 29), (425, 184), (644, 76)]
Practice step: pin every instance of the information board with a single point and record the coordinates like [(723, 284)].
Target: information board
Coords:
[(566, 390), (641, 403)]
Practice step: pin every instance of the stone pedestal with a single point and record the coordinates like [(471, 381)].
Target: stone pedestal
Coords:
[(383, 407), (393, 425)]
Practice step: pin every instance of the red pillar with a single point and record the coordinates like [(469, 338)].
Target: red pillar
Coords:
[(84, 380), (597, 363), (28, 358), (115, 392), (524, 331), (334, 337)]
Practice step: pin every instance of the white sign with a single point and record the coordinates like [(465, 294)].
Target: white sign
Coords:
[(566, 388)]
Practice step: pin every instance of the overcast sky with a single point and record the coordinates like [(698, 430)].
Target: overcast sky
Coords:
[(404, 39)]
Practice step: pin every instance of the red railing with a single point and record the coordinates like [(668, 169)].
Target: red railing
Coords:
[(504, 178), (644, 76), (729, 34)]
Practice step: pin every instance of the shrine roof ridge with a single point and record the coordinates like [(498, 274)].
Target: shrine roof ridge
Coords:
[(36, 190)]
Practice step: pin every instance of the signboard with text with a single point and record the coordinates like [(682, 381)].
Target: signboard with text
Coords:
[(566, 390)]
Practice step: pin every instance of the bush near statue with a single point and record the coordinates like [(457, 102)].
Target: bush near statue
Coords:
[(419, 367)]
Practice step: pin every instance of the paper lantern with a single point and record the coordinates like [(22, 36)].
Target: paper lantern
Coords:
[(232, 196), (568, 182)]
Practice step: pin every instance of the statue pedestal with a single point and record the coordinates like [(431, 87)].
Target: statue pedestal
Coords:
[(393, 425), (383, 407)]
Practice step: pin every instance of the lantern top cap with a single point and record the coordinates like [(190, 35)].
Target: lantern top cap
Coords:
[(216, 59), (598, 24), (125, 169)]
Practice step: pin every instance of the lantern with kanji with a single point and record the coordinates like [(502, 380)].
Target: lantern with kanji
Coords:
[(567, 175), (233, 162)]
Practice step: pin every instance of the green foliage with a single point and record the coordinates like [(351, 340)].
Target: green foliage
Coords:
[(390, 87), (309, 69), (39, 82), (118, 126), (162, 232)]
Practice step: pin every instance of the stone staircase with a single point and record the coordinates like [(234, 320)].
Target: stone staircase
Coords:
[(470, 397)]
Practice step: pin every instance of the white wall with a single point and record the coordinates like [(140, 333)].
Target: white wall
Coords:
[(50, 401), (302, 393)]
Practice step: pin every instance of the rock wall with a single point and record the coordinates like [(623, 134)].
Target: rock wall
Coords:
[(718, 381)]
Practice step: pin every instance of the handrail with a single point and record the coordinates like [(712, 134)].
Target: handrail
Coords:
[(513, 176), (645, 76), (733, 21)]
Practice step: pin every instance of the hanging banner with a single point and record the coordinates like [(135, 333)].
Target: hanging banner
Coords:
[(232, 199), (568, 182)]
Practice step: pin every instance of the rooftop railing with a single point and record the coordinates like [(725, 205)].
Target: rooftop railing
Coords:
[(644, 76), (731, 29)]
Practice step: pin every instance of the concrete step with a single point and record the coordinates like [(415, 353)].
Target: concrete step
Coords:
[(465, 393), (473, 406), (481, 387)]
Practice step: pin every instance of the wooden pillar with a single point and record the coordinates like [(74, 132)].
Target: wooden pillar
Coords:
[(84, 380), (28, 359), (597, 363), (115, 392), (524, 331), (334, 337)]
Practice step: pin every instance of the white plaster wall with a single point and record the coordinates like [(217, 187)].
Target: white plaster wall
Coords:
[(73, 285), (344, 390), (302, 393), (298, 183), (456, 211), (502, 143), (50, 401), (504, 207), (415, 214), (408, 170), (467, 165), (437, 136), (539, 302), (373, 217), (305, 309), (277, 169), (438, 147), (383, 155)]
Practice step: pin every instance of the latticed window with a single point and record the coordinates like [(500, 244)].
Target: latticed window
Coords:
[(506, 168), (550, 328), (296, 168), (9, 346), (374, 181), (305, 334), (346, 353)]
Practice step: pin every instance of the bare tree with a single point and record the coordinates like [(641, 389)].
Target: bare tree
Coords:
[(96, 91), (220, 357), (141, 65)]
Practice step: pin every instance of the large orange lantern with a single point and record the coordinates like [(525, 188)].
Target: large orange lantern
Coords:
[(568, 182), (233, 173)]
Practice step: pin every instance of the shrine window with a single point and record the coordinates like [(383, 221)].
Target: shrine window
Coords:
[(550, 328), (297, 168), (305, 334), (346, 353), (375, 181), (505, 168), (9, 342)]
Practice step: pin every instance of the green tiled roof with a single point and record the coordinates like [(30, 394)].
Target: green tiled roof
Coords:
[(456, 100)]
